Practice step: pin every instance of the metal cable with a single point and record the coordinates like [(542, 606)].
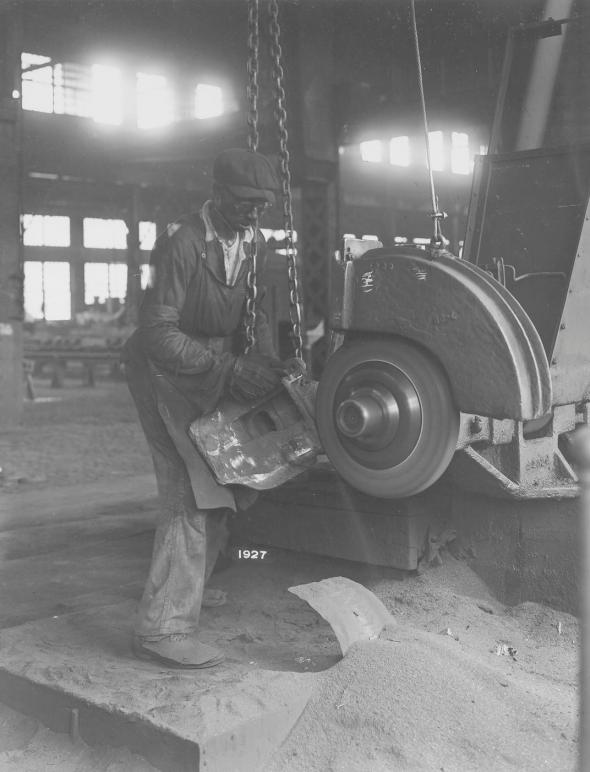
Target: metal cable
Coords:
[(436, 215), (295, 313)]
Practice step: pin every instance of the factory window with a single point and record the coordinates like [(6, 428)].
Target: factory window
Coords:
[(107, 94), (154, 101), (399, 151), (372, 151), (104, 280), (54, 88), (146, 275), (460, 161), (104, 234), (45, 230), (47, 290), (436, 147), (147, 235), (37, 83), (72, 89), (208, 101)]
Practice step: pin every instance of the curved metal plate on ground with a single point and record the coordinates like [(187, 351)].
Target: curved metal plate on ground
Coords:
[(488, 345), (352, 611)]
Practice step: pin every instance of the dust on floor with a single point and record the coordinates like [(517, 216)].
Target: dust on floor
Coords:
[(463, 684)]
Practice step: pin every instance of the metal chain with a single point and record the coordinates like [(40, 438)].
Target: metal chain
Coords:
[(278, 74), (253, 74), (253, 59), (437, 216)]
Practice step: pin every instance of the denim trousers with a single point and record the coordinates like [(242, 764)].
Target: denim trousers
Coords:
[(187, 540)]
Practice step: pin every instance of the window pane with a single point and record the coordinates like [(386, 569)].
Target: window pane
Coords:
[(104, 234), (107, 94), (399, 151), (147, 235), (46, 231), (437, 150), (154, 101), (56, 286), (37, 85), (33, 230), (118, 280), (33, 290), (96, 282), (208, 101), (146, 275), (56, 231), (460, 162), (371, 151)]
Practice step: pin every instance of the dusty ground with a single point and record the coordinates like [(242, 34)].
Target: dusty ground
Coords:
[(463, 684)]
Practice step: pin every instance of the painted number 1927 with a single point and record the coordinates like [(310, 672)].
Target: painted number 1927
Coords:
[(252, 554)]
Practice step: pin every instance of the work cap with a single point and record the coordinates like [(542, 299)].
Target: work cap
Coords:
[(246, 174)]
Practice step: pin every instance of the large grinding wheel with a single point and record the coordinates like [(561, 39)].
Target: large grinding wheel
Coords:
[(386, 418)]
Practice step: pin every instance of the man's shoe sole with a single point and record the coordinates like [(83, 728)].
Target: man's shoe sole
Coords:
[(151, 656)]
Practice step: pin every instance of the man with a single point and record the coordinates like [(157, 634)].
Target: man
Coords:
[(184, 357)]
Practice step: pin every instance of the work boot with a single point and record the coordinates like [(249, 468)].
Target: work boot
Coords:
[(179, 650)]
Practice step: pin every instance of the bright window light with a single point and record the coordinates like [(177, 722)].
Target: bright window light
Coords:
[(400, 240), (104, 234), (33, 290), (104, 280), (147, 235), (146, 275), (208, 101), (56, 291), (437, 150), (369, 237), (37, 84), (46, 231), (47, 290), (460, 161), (399, 151), (372, 151), (107, 94), (96, 283), (420, 241), (154, 101)]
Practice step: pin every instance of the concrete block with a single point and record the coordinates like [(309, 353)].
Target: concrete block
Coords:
[(524, 550)]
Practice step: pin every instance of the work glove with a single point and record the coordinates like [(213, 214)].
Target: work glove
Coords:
[(254, 376)]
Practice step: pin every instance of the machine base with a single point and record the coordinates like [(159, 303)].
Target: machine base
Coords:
[(320, 514)]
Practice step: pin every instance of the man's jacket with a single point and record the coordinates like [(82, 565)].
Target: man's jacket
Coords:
[(191, 327)]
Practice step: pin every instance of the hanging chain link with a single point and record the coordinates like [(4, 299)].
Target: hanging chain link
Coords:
[(295, 313), (278, 74), (253, 60), (437, 215)]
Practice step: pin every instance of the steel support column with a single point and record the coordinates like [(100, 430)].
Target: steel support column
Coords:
[(133, 294), (11, 268), (316, 156)]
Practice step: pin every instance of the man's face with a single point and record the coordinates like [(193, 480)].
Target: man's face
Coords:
[(240, 213)]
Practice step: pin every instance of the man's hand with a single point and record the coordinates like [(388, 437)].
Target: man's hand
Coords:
[(255, 375)]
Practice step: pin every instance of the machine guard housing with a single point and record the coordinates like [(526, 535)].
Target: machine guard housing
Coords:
[(487, 344)]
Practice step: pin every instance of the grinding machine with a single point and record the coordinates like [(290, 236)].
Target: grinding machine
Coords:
[(478, 365)]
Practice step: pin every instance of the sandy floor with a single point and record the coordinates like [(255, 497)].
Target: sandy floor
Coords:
[(462, 683)]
